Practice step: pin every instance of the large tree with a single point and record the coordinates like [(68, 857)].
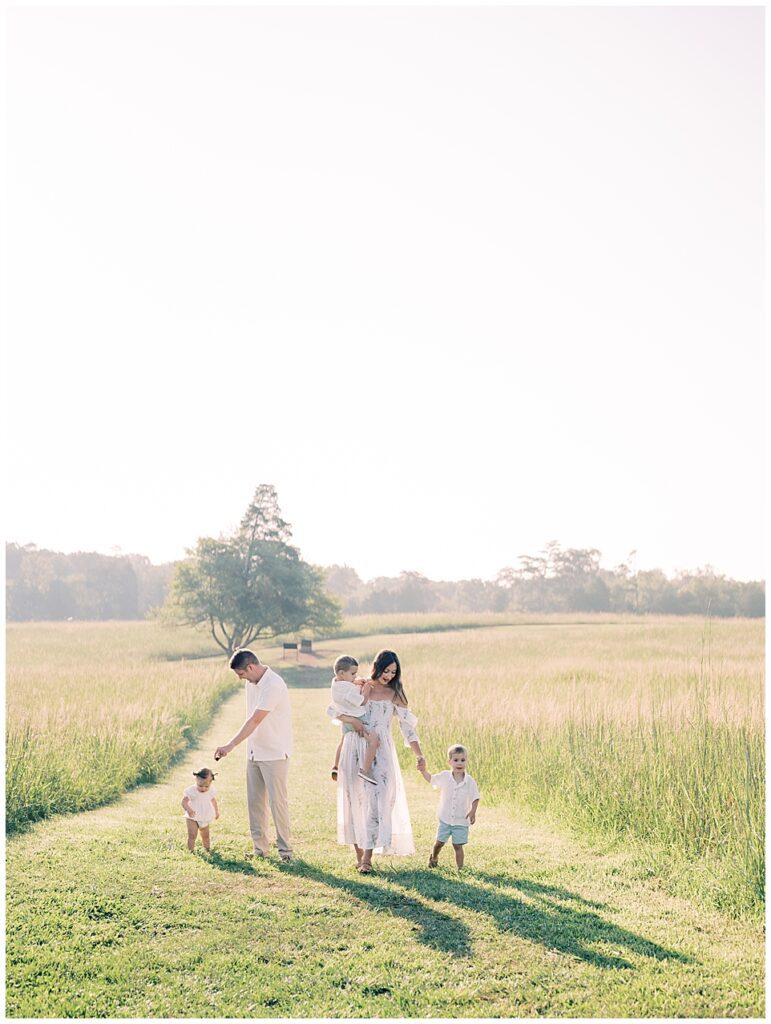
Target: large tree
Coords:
[(253, 584)]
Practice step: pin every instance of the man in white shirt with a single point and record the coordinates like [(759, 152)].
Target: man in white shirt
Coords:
[(269, 730)]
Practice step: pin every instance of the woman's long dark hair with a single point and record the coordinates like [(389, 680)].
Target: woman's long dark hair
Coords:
[(382, 660)]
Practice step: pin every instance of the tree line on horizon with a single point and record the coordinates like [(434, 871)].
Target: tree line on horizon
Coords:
[(555, 580), (43, 585)]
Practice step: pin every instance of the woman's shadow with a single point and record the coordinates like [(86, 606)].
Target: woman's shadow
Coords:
[(437, 929), (556, 918)]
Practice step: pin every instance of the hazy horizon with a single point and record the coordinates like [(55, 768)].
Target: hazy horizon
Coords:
[(117, 552), (443, 276)]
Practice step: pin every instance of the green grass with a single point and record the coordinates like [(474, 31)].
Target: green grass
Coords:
[(646, 731), (109, 916), (93, 709)]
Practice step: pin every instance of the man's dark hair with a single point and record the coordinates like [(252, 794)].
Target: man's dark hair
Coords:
[(243, 657)]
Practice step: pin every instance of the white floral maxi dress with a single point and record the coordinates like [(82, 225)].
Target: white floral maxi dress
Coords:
[(376, 817)]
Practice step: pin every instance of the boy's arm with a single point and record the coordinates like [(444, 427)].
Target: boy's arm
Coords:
[(426, 774), (366, 690), (472, 814)]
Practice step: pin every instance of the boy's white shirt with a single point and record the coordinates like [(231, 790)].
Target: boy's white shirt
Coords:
[(455, 798), (347, 698)]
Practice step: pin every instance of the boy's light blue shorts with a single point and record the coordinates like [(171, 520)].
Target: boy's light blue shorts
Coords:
[(458, 833)]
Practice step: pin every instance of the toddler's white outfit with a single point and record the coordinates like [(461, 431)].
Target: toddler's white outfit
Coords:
[(346, 700), (202, 805)]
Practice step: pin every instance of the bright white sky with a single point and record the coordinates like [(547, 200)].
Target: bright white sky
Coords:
[(457, 281)]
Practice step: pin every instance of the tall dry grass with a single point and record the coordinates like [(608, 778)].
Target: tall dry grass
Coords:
[(94, 708), (650, 730)]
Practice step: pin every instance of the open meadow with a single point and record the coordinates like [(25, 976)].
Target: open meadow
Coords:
[(616, 868), (94, 708)]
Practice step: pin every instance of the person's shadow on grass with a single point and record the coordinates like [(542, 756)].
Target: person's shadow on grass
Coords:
[(236, 863), (556, 918), (434, 928)]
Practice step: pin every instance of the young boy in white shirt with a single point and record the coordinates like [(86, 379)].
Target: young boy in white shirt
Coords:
[(458, 801), (349, 697)]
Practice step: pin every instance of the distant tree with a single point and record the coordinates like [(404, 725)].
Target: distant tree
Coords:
[(380, 597), (49, 585), (152, 582), (705, 591), (655, 593), (252, 584), (344, 582), (751, 599), (576, 580), (413, 594)]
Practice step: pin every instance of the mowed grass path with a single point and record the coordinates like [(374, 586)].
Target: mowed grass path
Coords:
[(109, 916)]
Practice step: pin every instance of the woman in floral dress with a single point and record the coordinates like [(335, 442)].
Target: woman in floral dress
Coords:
[(376, 818)]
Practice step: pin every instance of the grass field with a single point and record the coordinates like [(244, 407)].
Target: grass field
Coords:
[(94, 708), (650, 731), (616, 868)]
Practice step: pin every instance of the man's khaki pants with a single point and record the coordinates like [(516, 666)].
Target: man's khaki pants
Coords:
[(266, 783)]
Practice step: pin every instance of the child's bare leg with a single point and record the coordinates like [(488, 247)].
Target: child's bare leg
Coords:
[(205, 837), (372, 744), (458, 855), (337, 760), (192, 832), (433, 860), (367, 747)]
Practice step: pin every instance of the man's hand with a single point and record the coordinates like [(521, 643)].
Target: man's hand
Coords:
[(421, 763), (471, 817), (221, 752)]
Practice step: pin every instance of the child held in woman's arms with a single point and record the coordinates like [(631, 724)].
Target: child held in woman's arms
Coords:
[(458, 800), (349, 697), (200, 808)]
